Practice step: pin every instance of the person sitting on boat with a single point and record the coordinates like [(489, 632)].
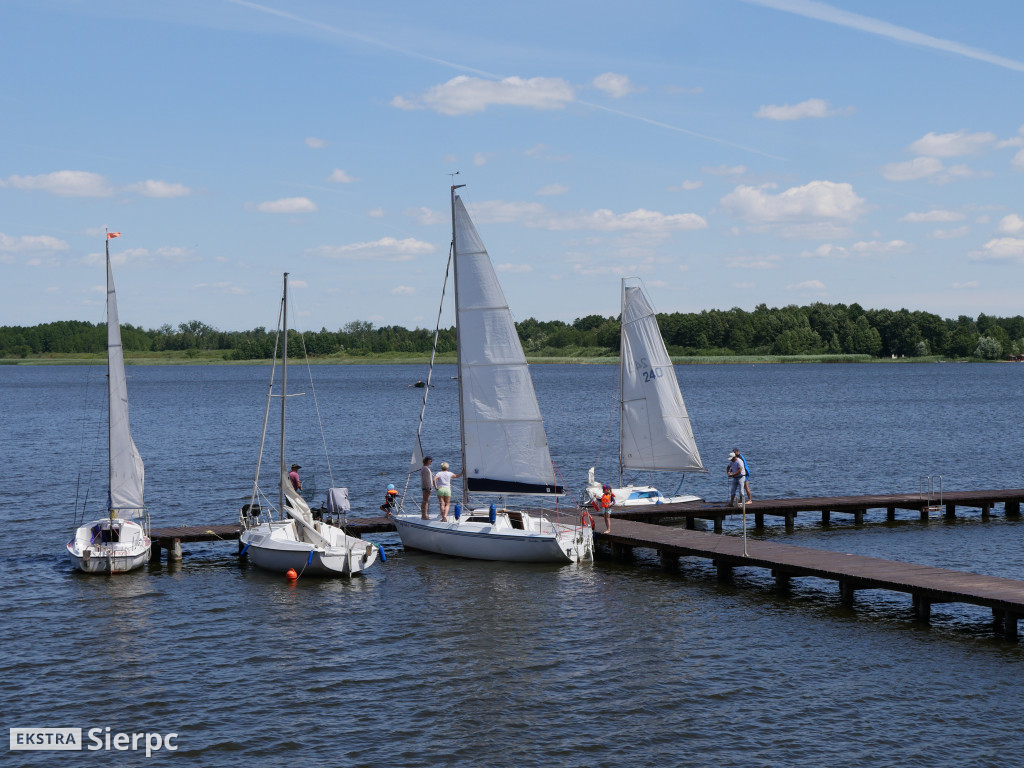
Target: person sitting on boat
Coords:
[(604, 504), (390, 500), (443, 483)]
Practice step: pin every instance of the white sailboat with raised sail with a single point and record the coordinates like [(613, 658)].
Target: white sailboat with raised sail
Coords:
[(295, 540), (119, 542), (655, 434), (503, 444)]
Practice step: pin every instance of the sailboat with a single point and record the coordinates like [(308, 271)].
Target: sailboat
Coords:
[(296, 541), (503, 445), (654, 427), (119, 542)]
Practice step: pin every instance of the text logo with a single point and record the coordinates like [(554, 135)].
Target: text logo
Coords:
[(46, 738)]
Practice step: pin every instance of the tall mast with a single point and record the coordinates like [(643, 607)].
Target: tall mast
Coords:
[(622, 336), (284, 391), (110, 409), (458, 351)]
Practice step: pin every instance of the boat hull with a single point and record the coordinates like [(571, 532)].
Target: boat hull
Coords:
[(638, 496), (90, 555), (279, 551), (484, 541)]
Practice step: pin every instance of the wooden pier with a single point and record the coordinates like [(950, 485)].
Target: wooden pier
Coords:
[(926, 585), (856, 506)]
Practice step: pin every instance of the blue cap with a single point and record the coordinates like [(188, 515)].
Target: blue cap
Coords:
[(391, 486)]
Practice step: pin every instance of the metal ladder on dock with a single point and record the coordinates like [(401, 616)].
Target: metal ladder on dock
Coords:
[(930, 489)]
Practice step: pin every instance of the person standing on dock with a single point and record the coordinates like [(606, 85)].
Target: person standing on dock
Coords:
[(427, 486), (738, 474)]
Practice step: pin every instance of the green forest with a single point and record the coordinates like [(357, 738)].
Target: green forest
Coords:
[(817, 329)]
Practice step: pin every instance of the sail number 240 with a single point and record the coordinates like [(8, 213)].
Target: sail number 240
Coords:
[(654, 373)]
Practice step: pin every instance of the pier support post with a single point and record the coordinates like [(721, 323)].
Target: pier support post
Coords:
[(669, 560), (826, 516), (846, 593), (622, 551), (691, 524), (1010, 625), (890, 514), (790, 517), (718, 525), (1011, 508), (950, 511), (986, 510), (924, 514), (783, 581), (758, 521), (724, 571), (174, 551), (922, 609), (154, 552), (858, 516)]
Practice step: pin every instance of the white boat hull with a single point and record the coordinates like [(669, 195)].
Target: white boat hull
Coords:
[(92, 550), (638, 496), (275, 547), (538, 541)]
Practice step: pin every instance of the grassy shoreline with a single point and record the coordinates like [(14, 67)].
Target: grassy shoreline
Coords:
[(396, 358)]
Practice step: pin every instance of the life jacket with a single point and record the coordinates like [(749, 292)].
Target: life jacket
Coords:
[(607, 499)]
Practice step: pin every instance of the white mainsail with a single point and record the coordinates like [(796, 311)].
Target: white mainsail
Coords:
[(127, 474), (504, 446), (654, 427)]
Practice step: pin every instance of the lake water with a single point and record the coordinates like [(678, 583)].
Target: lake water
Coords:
[(427, 661)]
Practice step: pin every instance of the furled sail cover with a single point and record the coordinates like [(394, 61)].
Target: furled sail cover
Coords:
[(654, 431), (127, 475), (505, 448)]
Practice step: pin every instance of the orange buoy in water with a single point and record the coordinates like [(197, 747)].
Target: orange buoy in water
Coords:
[(291, 575)]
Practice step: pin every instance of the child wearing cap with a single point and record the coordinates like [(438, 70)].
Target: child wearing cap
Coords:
[(390, 500)]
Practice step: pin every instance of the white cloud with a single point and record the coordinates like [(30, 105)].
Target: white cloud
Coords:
[(862, 249), (385, 249), (288, 205), (31, 244), (1011, 225), (969, 284), (552, 189), (818, 200), (910, 170), (63, 184), (753, 262), (725, 170), (341, 177), (1018, 161), (952, 144), (537, 216), (155, 188), (481, 158), (514, 268), (615, 85), (464, 95), (950, 234), (224, 287), (403, 290), (687, 186), (933, 216), (166, 254), (1002, 249), (376, 213), (314, 143), (809, 108), (815, 286), (426, 216)]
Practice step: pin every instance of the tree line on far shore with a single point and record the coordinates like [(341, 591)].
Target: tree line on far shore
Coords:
[(817, 329)]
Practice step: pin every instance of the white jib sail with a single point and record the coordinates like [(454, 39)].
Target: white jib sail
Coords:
[(505, 448), (127, 475), (654, 432)]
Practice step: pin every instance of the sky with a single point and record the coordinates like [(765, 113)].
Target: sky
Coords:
[(730, 153)]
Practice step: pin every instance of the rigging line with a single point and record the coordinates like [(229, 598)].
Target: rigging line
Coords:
[(316, 405), (266, 412)]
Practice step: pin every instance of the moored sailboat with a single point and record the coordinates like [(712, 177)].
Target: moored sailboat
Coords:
[(503, 445), (655, 434), (295, 540), (119, 542)]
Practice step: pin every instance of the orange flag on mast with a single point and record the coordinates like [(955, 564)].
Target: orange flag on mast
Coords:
[(112, 235)]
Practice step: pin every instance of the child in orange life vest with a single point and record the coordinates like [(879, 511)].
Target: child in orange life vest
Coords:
[(606, 502), (390, 500)]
